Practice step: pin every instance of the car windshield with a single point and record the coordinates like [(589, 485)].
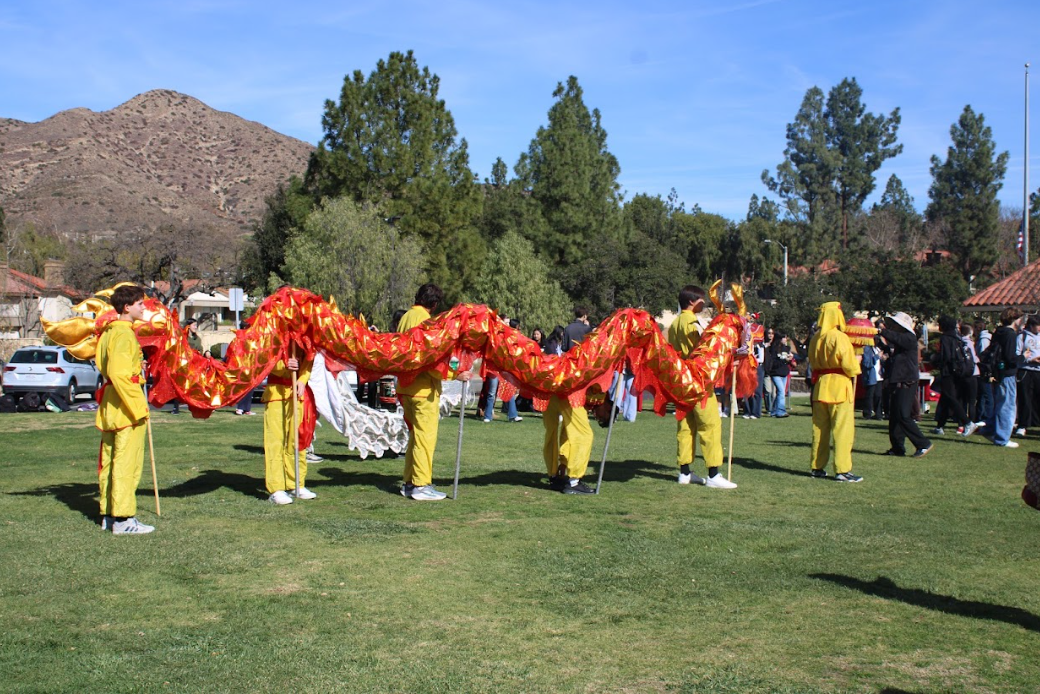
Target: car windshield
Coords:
[(34, 356)]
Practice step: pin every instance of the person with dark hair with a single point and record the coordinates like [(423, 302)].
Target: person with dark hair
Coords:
[(968, 388), (539, 337), (552, 343), (576, 331), (1003, 353), (903, 376), (778, 368), (122, 415), (421, 402), (953, 367), (1029, 375), (704, 420)]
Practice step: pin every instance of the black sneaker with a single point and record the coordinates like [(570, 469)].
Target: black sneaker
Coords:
[(891, 452), (819, 474), (848, 477), (557, 483), (922, 452), (579, 488)]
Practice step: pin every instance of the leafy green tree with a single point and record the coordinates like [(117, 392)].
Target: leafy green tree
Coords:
[(349, 251), (884, 283), (508, 207), (861, 142), (797, 305), (518, 283), (702, 236), (964, 194), (285, 210), (573, 176), (27, 248), (391, 140)]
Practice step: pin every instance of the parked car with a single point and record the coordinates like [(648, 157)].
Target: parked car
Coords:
[(50, 370)]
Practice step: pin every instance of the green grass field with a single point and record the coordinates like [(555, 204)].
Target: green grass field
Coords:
[(924, 578)]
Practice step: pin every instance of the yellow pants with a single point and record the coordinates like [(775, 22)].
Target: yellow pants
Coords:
[(708, 425), (575, 441), (279, 441), (422, 415), (839, 421), (119, 469)]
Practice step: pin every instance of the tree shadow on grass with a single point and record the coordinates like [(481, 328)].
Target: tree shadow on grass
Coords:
[(808, 444), (886, 588), (78, 496)]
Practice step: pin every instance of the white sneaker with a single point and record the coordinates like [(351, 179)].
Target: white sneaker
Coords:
[(314, 457), (305, 494), (970, 429), (131, 527), (1010, 444), (106, 522), (1020, 432), (719, 482), (280, 497), (517, 419), (427, 493), (685, 479)]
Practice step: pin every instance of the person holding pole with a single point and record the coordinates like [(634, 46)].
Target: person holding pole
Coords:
[(280, 433), (421, 402), (704, 420), (834, 366), (122, 415)]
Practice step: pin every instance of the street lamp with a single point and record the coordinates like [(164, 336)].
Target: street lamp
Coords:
[(785, 256)]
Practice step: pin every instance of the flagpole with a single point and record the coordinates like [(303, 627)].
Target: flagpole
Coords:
[(1025, 183)]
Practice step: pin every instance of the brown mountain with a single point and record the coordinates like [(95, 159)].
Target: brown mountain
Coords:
[(162, 158)]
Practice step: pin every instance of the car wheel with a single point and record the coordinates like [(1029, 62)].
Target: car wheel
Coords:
[(72, 392)]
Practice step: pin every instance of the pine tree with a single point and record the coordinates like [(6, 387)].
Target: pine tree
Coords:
[(391, 140), (964, 194), (573, 176)]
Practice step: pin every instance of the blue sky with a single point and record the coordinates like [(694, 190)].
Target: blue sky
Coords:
[(694, 95)]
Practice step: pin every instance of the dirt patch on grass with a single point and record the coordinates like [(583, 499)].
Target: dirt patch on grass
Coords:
[(927, 668)]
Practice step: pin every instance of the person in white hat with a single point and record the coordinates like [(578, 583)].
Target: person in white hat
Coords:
[(904, 374)]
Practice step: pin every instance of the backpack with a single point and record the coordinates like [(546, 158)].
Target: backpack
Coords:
[(990, 362), (7, 404), (962, 365), (30, 402)]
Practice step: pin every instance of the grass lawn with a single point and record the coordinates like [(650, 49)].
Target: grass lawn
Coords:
[(923, 578)]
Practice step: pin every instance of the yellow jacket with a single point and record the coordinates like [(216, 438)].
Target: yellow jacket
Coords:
[(428, 382), (684, 333), (119, 359), (283, 391), (832, 357)]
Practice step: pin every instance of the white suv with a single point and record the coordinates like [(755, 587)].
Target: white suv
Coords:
[(50, 370)]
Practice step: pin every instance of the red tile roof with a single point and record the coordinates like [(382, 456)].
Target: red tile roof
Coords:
[(23, 284), (1021, 288)]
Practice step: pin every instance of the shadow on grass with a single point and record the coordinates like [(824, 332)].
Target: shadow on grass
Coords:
[(78, 496), (211, 480), (883, 587), (750, 464), (807, 443), (336, 477)]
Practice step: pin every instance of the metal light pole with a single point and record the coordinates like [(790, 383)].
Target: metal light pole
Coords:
[(1025, 184), (785, 256)]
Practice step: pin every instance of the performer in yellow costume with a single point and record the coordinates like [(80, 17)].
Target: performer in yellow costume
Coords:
[(279, 437), (684, 334), (122, 415), (567, 468), (834, 365), (421, 402)]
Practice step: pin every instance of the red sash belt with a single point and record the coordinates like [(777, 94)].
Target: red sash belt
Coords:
[(823, 372), (279, 381)]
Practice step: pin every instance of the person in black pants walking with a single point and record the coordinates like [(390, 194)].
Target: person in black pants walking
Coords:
[(952, 358), (904, 374)]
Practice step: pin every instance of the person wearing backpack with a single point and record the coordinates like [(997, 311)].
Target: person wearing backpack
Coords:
[(1003, 359), (1028, 375), (954, 366), (985, 401)]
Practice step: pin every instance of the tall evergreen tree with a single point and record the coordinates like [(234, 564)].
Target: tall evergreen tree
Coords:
[(573, 176), (391, 140), (860, 142), (964, 194)]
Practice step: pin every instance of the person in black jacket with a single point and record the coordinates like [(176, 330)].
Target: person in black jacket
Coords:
[(1005, 342), (576, 331), (778, 368), (903, 376), (951, 356)]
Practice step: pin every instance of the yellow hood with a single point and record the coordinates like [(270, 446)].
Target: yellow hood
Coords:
[(831, 317)]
